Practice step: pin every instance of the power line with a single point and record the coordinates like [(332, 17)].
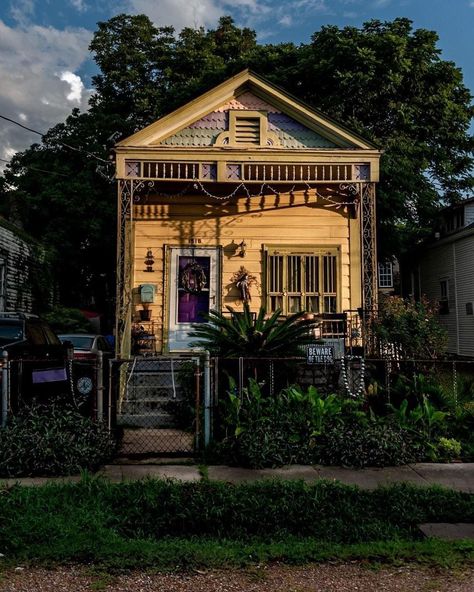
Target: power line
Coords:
[(57, 141), (32, 168)]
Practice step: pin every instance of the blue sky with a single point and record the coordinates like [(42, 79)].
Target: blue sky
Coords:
[(45, 66)]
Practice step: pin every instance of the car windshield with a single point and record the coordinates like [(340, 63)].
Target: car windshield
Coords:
[(78, 341), (10, 331)]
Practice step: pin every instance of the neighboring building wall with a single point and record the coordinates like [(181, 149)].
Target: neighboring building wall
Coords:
[(288, 220), (16, 258), (452, 260)]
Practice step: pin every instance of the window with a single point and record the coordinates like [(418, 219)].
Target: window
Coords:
[(302, 281), (386, 275), (444, 297)]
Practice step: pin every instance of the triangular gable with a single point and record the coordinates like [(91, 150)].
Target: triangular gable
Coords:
[(289, 132), (291, 123)]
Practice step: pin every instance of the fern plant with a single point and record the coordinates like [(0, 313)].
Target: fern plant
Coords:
[(242, 334)]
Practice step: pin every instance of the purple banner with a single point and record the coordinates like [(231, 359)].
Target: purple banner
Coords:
[(49, 375)]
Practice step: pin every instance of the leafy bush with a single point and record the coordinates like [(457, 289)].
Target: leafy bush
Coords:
[(52, 440), (411, 328), (376, 443), (269, 431), (449, 449), (67, 320), (305, 427)]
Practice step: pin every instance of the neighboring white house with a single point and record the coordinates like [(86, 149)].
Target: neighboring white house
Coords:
[(20, 257), (446, 275)]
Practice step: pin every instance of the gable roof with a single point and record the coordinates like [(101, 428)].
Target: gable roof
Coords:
[(317, 129)]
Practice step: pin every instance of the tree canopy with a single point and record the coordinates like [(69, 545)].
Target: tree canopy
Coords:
[(385, 80)]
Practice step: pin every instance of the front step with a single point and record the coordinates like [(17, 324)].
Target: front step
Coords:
[(153, 393), (146, 420)]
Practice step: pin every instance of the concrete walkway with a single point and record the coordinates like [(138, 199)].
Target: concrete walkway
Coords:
[(455, 476)]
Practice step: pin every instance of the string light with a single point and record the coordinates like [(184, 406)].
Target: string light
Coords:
[(197, 185)]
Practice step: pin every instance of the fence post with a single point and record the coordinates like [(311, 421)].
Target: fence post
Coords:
[(109, 402), (5, 388), (197, 388), (207, 398), (100, 385)]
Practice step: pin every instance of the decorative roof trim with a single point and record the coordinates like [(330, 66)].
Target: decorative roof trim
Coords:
[(230, 90)]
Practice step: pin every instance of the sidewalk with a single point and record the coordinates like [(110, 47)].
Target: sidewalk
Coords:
[(455, 476)]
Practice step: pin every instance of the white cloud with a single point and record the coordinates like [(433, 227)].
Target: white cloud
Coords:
[(76, 84), (198, 13), (21, 11), (79, 5), (285, 20), (35, 64)]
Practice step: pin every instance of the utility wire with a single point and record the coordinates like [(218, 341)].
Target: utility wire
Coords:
[(57, 141), (37, 169)]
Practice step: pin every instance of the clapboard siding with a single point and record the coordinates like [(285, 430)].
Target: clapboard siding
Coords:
[(464, 257), (437, 265), (17, 256), (452, 260), (289, 222)]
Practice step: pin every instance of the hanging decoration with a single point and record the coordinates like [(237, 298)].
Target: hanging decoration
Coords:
[(345, 369), (350, 188), (244, 281), (192, 278), (149, 261)]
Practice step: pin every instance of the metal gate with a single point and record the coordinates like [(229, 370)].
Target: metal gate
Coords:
[(156, 405)]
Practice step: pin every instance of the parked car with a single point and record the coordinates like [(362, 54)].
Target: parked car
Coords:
[(39, 360), (86, 345)]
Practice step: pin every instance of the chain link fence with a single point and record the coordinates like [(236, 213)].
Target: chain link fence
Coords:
[(26, 381), (156, 405)]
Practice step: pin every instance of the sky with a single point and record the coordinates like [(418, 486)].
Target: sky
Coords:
[(46, 68)]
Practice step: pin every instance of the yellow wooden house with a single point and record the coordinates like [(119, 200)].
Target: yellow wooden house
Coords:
[(245, 193)]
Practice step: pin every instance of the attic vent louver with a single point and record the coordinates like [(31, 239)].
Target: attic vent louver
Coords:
[(247, 130)]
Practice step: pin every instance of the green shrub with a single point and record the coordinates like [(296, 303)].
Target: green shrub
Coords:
[(411, 328), (67, 320), (448, 449), (377, 443), (306, 427), (52, 440)]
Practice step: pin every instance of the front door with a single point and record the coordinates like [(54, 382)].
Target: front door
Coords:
[(194, 274)]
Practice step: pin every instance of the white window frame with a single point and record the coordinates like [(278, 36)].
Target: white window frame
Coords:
[(385, 274)]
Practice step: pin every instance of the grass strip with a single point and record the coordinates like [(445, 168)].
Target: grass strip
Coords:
[(173, 554), (166, 523)]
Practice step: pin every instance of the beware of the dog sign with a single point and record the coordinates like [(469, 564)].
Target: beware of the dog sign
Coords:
[(320, 354)]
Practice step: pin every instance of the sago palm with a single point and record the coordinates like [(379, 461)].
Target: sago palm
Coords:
[(241, 334)]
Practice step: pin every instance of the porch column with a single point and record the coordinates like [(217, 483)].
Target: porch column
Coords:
[(369, 248), (123, 306), (369, 261)]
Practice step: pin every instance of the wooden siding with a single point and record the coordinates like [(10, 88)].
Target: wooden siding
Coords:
[(453, 261), (16, 254), (464, 258), (289, 221)]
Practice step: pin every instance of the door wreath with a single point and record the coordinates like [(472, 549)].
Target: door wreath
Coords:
[(192, 278)]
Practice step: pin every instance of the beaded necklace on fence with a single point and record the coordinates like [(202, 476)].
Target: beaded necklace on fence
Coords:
[(360, 388)]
